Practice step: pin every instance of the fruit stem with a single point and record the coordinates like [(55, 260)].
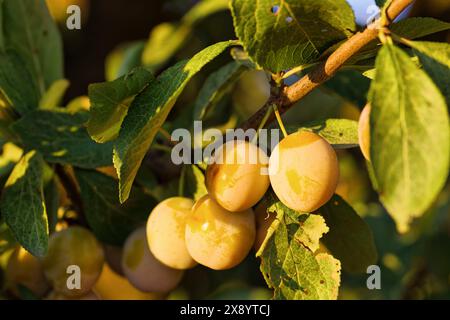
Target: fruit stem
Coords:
[(262, 124), (279, 120)]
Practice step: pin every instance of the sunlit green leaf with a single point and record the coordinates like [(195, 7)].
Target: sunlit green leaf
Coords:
[(110, 102), (54, 95), (215, 87), (61, 137), (280, 35), (340, 133), (148, 112), (22, 204), (409, 136)]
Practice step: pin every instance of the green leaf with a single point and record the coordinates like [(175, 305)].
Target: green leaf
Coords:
[(350, 238), (123, 60), (22, 204), (340, 133), (110, 102), (195, 183), (280, 35), (350, 85), (110, 221), (61, 137), (16, 83), (435, 59), (438, 51), (312, 226), (167, 38), (288, 262), (148, 112), (216, 86), (413, 28), (30, 32), (409, 136), (7, 240), (54, 95), (52, 197)]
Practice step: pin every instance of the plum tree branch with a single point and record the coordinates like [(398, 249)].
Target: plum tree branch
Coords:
[(326, 70)]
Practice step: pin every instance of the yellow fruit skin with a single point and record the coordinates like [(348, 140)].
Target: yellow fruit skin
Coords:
[(238, 178), (304, 171), (264, 220), (143, 270), (26, 270), (217, 238), (364, 132), (73, 246), (58, 296), (165, 233), (111, 286)]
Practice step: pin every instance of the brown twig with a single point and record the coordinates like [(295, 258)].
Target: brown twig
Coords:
[(327, 69), (72, 192)]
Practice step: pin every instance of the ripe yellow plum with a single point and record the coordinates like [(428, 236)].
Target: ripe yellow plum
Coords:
[(165, 233), (304, 171), (264, 220), (25, 270), (251, 92), (74, 246), (217, 238), (237, 178), (364, 132), (143, 270), (112, 286)]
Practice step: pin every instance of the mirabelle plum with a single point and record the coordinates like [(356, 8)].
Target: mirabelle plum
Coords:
[(217, 238), (364, 132), (143, 270), (237, 179), (264, 220), (26, 270), (58, 296), (165, 233), (74, 246), (112, 286), (251, 92), (304, 171)]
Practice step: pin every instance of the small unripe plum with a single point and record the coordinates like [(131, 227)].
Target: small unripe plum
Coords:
[(25, 270), (75, 246), (112, 286), (237, 178), (251, 92), (58, 296), (264, 220), (217, 238), (364, 132), (143, 270), (304, 171), (165, 233)]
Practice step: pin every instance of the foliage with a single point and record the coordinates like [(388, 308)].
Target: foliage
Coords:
[(107, 165)]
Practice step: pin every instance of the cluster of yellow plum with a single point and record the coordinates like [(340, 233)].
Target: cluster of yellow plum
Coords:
[(217, 231), (101, 269)]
